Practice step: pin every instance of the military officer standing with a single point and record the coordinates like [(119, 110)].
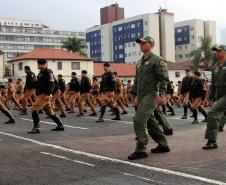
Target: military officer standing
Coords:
[(218, 93), (44, 90), (149, 87)]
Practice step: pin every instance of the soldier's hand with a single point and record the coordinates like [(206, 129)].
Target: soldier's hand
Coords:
[(160, 100), (134, 101), (210, 103)]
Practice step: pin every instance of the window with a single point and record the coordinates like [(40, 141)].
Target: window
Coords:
[(179, 30), (179, 47), (120, 47), (192, 28), (75, 65), (59, 65), (179, 39), (177, 74), (133, 25), (180, 56), (20, 66), (192, 37), (120, 28), (121, 56)]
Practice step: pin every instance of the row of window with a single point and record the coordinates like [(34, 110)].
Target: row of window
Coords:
[(133, 54), (128, 26), (10, 55), (182, 47), (179, 39), (10, 29), (74, 66), (181, 56), (184, 29), (25, 46), (128, 36), (18, 38)]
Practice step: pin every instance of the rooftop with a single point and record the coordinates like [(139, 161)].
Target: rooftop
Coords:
[(50, 54)]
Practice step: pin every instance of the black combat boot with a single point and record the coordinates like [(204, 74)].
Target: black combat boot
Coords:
[(195, 113), (23, 112), (210, 145), (9, 115), (35, 129), (117, 114), (102, 112), (60, 126)]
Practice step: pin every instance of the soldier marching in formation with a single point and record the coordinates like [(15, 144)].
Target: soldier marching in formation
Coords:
[(150, 91)]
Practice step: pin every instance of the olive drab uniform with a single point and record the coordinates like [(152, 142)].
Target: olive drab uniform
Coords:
[(218, 93), (150, 81)]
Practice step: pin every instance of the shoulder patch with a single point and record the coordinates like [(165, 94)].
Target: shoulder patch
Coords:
[(162, 63)]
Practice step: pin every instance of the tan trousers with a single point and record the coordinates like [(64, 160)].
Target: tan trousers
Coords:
[(84, 97), (12, 97), (27, 95), (43, 102), (118, 99), (72, 99), (107, 99), (56, 101)]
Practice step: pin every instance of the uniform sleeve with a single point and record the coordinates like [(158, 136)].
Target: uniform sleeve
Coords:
[(112, 81), (162, 76), (50, 80), (212, 87), (134, 88)]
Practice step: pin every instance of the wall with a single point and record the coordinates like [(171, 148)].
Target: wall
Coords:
[(66, 68), (192, 30), (167, 37), (1, 66)]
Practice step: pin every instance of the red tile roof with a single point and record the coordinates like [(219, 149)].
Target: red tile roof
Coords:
[(179, 65), (50, 54), (123, 70), (129, 70), (1, 52)]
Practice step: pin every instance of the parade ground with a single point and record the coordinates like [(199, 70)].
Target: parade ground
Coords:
[(90, 153)]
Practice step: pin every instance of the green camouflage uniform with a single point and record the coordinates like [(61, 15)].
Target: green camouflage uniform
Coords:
[(218, 93), (150, 81)]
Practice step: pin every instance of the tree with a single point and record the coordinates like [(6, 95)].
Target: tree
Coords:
[(74, 45), (203, 54)]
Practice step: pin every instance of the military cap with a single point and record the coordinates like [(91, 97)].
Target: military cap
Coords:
[(41, 61), (106, 64), (219, 48), (146, 39)]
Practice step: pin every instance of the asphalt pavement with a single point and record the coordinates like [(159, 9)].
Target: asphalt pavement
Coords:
[(90, 153)]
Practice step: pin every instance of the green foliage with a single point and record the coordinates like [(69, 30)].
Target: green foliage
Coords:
[(74, 45), (203, 54)]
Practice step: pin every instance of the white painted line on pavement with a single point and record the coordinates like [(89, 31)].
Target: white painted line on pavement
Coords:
[(142, 178), (50, 123), (126, 122), (113, 160), (67, 159)]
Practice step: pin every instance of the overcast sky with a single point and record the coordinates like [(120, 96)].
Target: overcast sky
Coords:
[(81, 14)]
